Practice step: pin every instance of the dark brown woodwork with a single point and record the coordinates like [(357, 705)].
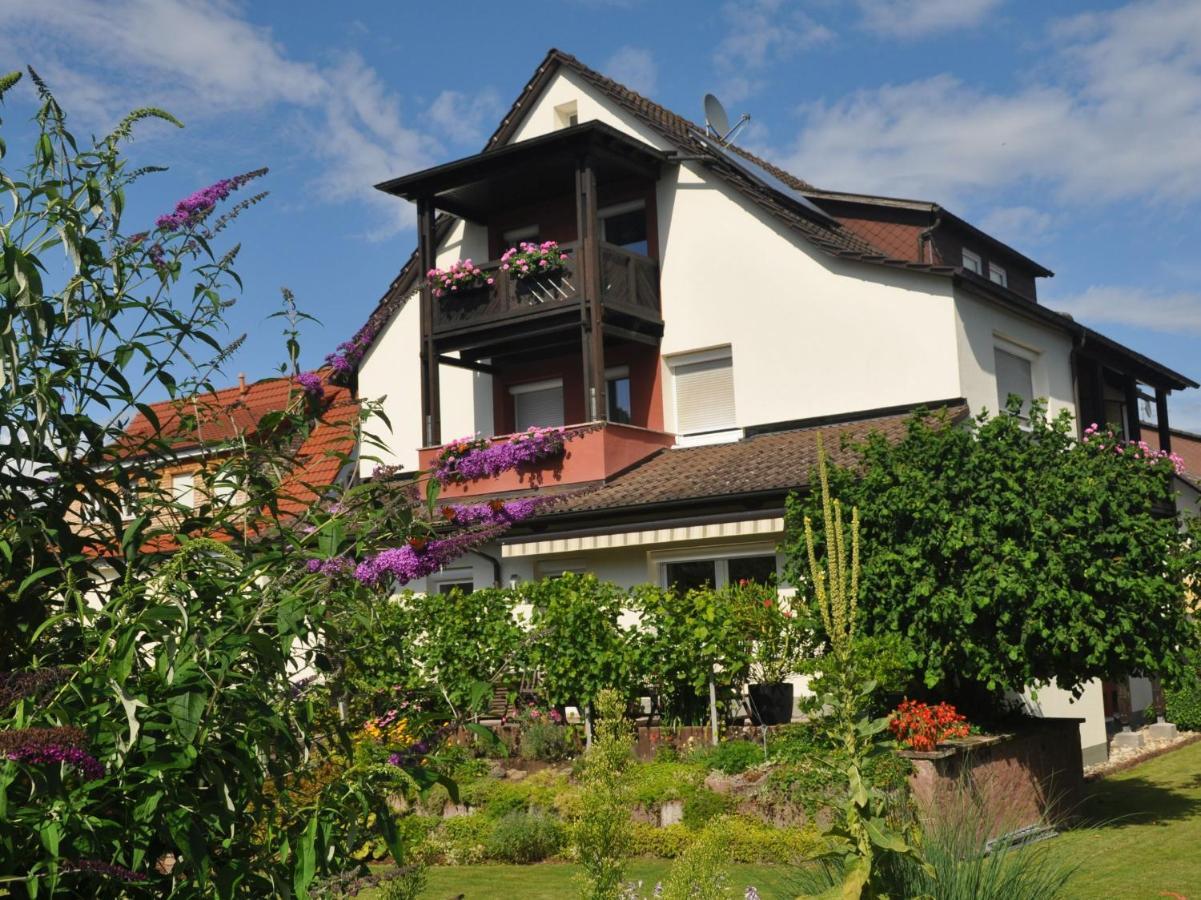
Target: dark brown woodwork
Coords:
[(596, 400), (1161, 419), (431, 402)]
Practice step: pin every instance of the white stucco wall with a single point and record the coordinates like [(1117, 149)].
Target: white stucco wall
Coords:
[(980, 325)]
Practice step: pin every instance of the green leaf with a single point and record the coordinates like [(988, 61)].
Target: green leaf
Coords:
[(306, 859), (884, 837)]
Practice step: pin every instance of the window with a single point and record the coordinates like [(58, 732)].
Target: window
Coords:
[(617, 385), (997, 275), (624, 226), (687, 574), (567, 115), (1014, 376), (704, 391), (515, 236), (447, 587), (972, 262), (539, 404), (183, 490)]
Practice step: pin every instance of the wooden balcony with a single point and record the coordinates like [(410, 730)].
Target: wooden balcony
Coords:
[(487, 317), (597, 451)]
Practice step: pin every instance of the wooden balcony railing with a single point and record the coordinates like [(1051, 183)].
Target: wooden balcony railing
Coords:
[(629, 283)]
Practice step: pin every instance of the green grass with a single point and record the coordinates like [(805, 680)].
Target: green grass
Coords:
[(1144, 832), (555, 881)]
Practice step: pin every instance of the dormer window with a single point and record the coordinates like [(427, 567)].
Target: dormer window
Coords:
[(566, 115), (972, 262), (997, 275)]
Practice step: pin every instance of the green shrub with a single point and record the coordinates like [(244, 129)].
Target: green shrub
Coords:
[(730, 757), (546, 741), (603, 833), (460, 841), (1184, 701), (522, 837), (702, 872), (702, 804), (752, 841), (795, 743), (406, 884), (661, 843), (652, 784)]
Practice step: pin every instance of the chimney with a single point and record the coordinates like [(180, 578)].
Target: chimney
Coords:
[(242, 383)]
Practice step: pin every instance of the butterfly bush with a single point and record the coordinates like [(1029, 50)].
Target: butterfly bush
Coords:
[(494, 512), (529, 260), (99, 867), (311, 384), (346, 358), (192, 209), (50, 746), (462, 275), (1108, 440), (521, 449), (418, 557)]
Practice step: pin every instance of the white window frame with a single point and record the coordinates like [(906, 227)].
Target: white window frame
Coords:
[(531, 387), (719, 555), (177, 495), (709, 354), (435, 582), (567, 115), (997, 275), (972, 261), (1038, 386)]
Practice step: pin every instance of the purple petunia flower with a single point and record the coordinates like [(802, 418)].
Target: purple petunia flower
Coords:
[(520, 450)]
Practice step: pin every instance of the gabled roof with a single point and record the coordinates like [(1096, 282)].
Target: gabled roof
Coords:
[(820, 232)]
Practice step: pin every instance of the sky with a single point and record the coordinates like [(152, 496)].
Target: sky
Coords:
[(1070, 130)]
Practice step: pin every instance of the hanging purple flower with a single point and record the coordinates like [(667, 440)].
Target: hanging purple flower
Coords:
[(522, 449), (495, 512), (48, 746), (99, 867), (193, 208), (417, 559), (338, 565), (311, 384), (346, 358)]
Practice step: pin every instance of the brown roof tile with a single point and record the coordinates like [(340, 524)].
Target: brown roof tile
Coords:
[(777, 461)]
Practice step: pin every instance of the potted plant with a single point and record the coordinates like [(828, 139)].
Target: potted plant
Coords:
[(462, 276), (528, 260), (774, 645)]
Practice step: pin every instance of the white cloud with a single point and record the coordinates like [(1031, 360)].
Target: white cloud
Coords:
[(634, 67), (1117, 116), (1018, 225), (1172, 313), (919, 18), (465, 119), (761, 32), (202, 58)]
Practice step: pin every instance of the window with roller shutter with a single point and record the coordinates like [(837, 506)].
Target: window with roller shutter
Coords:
[(537, 405), (704, 392)]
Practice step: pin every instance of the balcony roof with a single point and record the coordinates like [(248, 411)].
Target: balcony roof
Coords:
[(524, 172)]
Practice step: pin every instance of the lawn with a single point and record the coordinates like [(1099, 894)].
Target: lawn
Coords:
[(553, 881), (1144, 838)]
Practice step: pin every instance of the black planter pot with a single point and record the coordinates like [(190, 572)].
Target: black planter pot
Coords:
[(771, 704)]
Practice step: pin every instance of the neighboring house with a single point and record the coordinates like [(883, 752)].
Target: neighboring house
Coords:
[(194, 437), (714, 314)]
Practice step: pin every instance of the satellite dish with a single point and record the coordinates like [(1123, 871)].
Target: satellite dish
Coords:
[(715, 116), (717, 123)]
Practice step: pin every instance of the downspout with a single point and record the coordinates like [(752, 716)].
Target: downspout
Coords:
[(925, 244), (495, 566)]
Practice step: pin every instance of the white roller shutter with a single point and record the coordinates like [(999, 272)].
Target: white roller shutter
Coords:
[(1014, 376), (538, 406), (704, 395)]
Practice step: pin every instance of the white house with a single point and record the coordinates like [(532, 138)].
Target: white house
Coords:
[(712, 314)]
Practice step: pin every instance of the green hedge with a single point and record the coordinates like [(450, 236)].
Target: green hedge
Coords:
[(1184, 706)]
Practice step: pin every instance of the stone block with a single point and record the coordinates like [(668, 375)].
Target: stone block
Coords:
[(1128, 740), (671, 813), (1161, 731)]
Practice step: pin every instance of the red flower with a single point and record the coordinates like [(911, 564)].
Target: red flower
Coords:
[(922, 727), (767, 603)]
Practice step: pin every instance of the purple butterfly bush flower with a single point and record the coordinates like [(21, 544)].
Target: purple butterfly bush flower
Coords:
[(496, 512), (345, 359), (418, 559), (338, 565), (99, 867), (193, 208), (311, 384), (50, 746)]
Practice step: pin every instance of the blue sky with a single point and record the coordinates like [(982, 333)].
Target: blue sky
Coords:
[(1070, 130)]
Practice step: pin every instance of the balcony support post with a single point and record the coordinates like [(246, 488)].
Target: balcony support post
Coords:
[(431, 400), (1161, 419), (592, 333)]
